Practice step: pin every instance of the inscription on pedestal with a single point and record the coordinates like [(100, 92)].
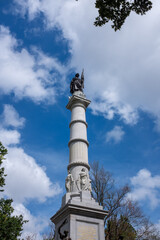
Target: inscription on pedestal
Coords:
[(87, 231)]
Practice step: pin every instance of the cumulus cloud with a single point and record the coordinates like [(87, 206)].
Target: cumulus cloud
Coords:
[(22, 170), (27, 74), (26, 179), (32, 8), (27, 175), (122, 68), (146, 187), (10, 117), (109, 107), (34, 225), (115, 135), (24, 173), (9, 137)]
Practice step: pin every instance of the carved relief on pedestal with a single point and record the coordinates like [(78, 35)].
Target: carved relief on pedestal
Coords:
[(83, 182), (69, 182), (64, 235)]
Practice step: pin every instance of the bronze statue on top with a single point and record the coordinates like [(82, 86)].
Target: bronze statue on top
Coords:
[(77, 84)]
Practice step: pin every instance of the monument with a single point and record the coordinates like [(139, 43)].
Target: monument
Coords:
[(80, 216)]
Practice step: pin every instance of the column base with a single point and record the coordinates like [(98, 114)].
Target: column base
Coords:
[(79, 218)]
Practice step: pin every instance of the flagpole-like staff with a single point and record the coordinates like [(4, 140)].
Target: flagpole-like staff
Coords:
[(82, 78)]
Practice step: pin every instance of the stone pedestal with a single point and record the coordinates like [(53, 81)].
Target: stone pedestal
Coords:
[(80, 217)]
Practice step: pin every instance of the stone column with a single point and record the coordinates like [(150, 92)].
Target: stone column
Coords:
[(80, 216), (78, 145)]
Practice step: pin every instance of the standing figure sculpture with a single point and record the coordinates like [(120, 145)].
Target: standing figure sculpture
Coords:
[(83, 182), (77, 84), (69, 182)]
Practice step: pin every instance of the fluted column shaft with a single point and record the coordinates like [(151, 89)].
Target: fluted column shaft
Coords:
[(78, 144)]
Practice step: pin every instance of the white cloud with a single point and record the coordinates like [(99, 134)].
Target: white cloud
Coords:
[(22, 170), (115, 135), (26, 74), (122, 68), (10, 117), (146, 187), (24, 173), (8, 137), (50, 9), (34, 225), (25, 179)]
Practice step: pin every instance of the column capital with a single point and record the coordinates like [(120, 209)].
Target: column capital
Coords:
[(77, 100)]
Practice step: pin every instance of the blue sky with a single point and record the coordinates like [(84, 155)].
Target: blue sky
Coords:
[(42, 45)]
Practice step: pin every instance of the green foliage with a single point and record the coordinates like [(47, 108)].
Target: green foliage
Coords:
[(10, 226), (117, 11), (3, 152)]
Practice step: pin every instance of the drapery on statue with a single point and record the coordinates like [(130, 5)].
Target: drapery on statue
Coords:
[(77, 84)]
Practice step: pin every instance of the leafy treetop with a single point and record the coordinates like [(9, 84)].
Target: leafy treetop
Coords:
[(10, 226), (117, 11)]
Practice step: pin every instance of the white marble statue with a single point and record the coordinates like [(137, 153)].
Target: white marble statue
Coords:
[(69, 182), (83, 183)]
